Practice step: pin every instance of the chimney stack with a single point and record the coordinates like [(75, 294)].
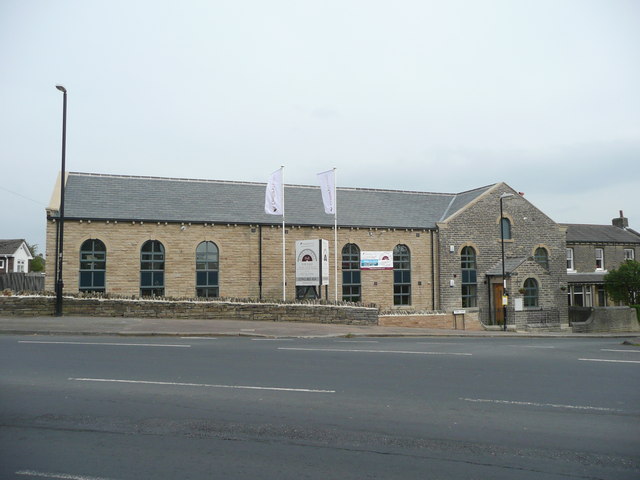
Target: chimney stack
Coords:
[(620, 222)]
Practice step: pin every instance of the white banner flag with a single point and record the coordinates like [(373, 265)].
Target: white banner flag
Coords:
[(273, 201), (328, 189)]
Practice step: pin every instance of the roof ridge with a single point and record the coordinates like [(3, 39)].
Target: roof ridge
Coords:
[(236, 182)]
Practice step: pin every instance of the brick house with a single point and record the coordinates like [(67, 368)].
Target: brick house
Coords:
[(593, 250), (144, 236)]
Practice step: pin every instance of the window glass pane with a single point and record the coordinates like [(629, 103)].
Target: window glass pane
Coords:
[(145, 279)]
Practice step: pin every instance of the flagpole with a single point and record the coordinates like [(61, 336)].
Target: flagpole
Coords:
[(335, 234), (284, 269)]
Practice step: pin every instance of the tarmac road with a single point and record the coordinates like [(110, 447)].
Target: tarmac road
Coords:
[(114, 407)]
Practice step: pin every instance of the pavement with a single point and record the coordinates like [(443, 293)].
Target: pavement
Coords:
[(80, 325)]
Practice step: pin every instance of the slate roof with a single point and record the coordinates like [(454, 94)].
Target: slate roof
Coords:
[(113, 197), (591, 277), (9, 247), (580, 233)]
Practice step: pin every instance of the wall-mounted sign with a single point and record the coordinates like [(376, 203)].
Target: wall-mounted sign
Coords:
[(312, 262), (376, 260)]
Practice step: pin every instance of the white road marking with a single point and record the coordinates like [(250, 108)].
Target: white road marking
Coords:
[(199, 338), (530, 346), (272, 339), (370, 351), (624, 351), (609, 361), (357, 341), (66, 476), (181, 384), (108, 344), (535, 404)]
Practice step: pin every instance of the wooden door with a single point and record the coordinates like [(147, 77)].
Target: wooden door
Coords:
[(498, 311)]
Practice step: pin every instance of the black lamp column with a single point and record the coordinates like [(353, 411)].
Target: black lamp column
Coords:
[(504, 277), (60, 249)]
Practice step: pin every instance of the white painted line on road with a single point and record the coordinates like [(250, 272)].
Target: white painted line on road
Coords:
[(609, 361), (370, 351), (272, 339), (198, 338), (66, 476), (180, 384), (535, 404), (108, 344), (623, 351), (357, 341), (530, 346)]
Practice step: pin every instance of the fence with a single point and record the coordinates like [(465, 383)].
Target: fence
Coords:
[(548, 317), (22, 282)]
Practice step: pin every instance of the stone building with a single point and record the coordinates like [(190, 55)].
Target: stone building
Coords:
[(592, 251), (144, 236)]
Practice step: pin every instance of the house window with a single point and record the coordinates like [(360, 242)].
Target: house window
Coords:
[(570, 259), (93, 261), (1, 263), (629, 254), (581, 296), (602, 296), (20, 266), (506, 228), (530, 292), (541, 257), (152, 269), (469, 277), (401, 275), (599, 259), (207, 263), (351, 281), (577, 296)]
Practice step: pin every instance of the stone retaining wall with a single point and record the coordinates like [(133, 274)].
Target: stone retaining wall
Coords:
[(608, 320), (216, 310), (446, 321)]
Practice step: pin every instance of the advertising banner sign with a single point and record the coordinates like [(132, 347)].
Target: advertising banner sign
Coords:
[(376, 260), (312, 262)]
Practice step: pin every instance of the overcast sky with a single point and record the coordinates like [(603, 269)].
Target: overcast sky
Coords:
[(436, 96)]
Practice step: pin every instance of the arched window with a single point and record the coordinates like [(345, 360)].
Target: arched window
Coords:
[(401, 275), (93, 262), (541, 257), (207, 259), (530, 292), (152, 269), (506, 228), (351, 283), (469, 277)]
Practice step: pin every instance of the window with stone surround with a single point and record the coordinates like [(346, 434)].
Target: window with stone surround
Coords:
[(351, 277), (207, 263), (401, 275), (599, 258), (541, 257), (570, 259), (629, 254), (506, 228), (93, 265), (152, 269), (531, 293), (469, 267)]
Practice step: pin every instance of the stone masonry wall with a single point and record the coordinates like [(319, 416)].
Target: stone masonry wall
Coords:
[(478, 226), (239, 248), (44, 306)]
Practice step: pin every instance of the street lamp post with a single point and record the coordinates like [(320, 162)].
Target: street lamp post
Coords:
[(504, 277), (59, 282)]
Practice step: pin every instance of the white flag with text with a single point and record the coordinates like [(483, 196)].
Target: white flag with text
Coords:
[(328, 188), (273, 201)]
